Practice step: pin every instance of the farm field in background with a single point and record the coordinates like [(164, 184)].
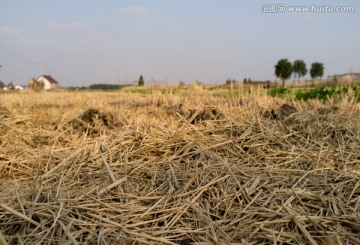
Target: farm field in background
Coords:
[(180, 166)]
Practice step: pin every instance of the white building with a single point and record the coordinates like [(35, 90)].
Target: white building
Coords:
[(49, 82), (18, 87)]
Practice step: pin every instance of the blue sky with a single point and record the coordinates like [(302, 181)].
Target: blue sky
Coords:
[(114, 41)]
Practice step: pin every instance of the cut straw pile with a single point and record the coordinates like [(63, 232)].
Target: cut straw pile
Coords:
[(97, 168)]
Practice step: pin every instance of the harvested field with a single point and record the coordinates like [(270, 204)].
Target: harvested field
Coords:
[(197, 168)]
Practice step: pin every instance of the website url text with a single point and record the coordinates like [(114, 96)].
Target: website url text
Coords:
[(282, 8)]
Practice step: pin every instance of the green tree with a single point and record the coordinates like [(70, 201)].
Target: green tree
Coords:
[(182, 84), (299, 68), (317, 70), (11, 86), (283, 70), (141, 81)]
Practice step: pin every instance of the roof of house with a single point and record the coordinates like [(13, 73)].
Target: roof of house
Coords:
[(346, 74), (49, 78)]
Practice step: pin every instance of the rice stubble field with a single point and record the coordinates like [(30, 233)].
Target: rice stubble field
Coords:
[(195, 168)]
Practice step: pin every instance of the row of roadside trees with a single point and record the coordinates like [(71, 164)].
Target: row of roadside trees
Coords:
[(284, 69)]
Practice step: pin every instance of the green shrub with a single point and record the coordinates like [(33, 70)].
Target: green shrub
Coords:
[(279, 92), (321, 93), (356, 89), (106, 86)]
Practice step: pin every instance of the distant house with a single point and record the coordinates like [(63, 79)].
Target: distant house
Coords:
[(49, 82), (263, 84), (351, 75), (18, 87)]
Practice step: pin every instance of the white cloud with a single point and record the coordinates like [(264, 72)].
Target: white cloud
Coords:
[(67, 25), (10, 31), (134, 10)]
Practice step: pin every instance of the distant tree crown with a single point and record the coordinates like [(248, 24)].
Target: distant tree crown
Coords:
[(299, 68), (283, 70), (317, 70), (141, 81)]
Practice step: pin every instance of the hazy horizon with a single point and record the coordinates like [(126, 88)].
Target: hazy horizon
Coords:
[(84, 42)]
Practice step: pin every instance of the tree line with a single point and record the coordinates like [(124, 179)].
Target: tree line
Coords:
[(284, 69)]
